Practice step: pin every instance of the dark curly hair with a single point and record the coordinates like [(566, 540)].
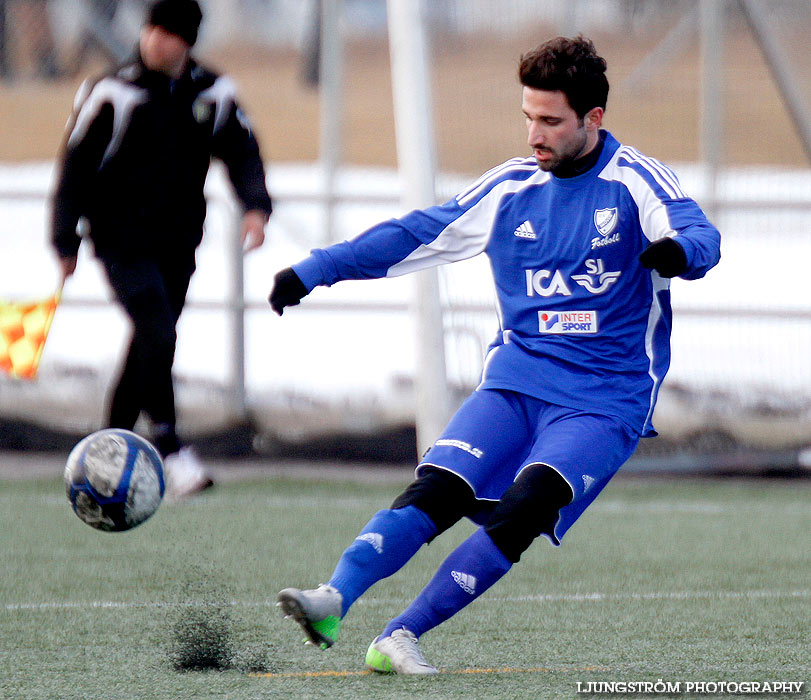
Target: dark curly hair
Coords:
[(571, 66)]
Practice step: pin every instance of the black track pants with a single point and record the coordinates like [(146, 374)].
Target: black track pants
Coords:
[(153, 294)]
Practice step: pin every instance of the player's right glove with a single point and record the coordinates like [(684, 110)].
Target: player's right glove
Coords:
[(288, 290), (665, 256)]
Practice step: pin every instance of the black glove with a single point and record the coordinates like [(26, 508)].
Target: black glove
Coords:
[(288, 290), (665, 256)]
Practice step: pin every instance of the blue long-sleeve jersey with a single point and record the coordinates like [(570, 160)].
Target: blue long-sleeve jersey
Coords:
[(581, 322)]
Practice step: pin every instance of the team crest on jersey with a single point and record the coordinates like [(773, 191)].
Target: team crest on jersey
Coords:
[(605, 221), (567, 322), (201, 109)]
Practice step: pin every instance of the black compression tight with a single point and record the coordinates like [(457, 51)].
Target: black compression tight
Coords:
[(529, 508)]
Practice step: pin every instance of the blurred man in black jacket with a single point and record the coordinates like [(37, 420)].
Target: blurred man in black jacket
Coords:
[(134, 164)]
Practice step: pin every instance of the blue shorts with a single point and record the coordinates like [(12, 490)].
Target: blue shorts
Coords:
[(497, 433)]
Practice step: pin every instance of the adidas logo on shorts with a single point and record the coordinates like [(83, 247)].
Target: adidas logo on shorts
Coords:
[(467, 582), (373, 538)]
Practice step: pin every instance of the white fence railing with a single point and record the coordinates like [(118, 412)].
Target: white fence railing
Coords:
[(763, 322)]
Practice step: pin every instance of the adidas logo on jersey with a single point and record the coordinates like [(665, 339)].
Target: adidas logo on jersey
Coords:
[(587, 482), (467, 582), (373, 538), (525, 230)]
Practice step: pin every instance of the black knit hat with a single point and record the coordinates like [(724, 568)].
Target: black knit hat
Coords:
[(181, 17)]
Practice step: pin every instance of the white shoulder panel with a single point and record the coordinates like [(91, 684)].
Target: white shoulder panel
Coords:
[(223, 94), (652, 212), (466, 236), (122, 96), (525, 164)]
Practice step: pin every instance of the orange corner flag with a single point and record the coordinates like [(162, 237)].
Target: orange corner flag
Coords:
[(23, 330)]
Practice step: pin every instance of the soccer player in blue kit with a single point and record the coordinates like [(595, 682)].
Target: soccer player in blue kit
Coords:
[(583, 239)]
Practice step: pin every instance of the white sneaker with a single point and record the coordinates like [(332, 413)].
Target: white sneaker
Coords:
[(399, 653), (184, 475), (318, 611)]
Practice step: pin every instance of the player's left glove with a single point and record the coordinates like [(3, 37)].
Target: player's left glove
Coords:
[(288, 290), (665, 256)]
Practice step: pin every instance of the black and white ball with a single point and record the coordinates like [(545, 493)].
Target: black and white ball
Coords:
[(114, 479)]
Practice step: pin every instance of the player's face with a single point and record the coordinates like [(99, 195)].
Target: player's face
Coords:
[(554, 131), (163, 51)]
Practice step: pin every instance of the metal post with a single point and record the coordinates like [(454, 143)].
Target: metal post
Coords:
[(671, 46), (416, 161), (568, 25), (331, 107), (779, 64), (236, 309), (711, 27)]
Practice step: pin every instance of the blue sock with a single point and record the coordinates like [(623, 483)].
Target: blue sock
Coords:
[(387, 542), (469, 571)]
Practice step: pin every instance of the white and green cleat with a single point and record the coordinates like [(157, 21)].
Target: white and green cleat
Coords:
[(399, 653), (318, 612)]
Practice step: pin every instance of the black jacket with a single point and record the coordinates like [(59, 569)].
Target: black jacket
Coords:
[(135, 159)]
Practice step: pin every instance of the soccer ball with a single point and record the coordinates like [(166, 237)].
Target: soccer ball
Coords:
[(114, 480)]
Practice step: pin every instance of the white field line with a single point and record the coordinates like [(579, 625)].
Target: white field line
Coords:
[(608, 506), (656, 595), (540, 598)]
